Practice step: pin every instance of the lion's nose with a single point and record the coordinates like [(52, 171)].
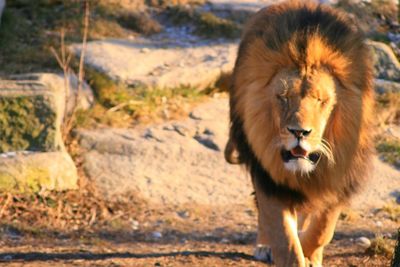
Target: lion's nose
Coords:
[(299, 133)]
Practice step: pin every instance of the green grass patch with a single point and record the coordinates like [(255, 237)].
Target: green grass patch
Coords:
[(120, 105), (26, 123), (390, 151)]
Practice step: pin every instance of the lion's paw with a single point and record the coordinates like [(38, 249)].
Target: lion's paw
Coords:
[(263, 253)]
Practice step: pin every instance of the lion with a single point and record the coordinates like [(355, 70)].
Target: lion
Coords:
[(301, 105)]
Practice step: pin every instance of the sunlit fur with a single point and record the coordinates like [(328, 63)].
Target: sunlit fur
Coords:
[(313, 80)]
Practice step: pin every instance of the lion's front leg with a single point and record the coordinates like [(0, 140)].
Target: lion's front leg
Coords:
[(318, 234), (278, 230)]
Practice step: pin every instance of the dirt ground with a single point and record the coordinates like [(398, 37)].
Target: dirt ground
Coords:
[(189, 236)]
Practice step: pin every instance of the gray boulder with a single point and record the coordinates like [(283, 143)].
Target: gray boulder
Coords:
[(84, 100), (31, 145), (37, 171), (160, 64), (172, 163), (386, 65), (383, 86)]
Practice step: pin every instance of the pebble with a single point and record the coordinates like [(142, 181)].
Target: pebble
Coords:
[(145, 50), (194, 115), (7, 257), (363, 242), (183, 214), (156, 235), (225, 241), (134, 224)]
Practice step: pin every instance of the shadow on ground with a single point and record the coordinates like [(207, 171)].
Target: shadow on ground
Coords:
[(39, 256)]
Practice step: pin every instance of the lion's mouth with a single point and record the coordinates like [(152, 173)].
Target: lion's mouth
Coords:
[(299, 153)]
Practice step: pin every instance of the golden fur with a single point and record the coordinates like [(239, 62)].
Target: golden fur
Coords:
[(310, 65), (301, 105)]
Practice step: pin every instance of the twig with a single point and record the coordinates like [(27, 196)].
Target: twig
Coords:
[(5, 206), (59, 211), (122, 105), (64, 58), (93, 216), (81, 70)]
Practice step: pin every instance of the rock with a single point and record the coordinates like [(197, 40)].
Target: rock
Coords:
[(207, 142), (377, 192), (135, 224), (57, 81), (383, 86), (363, 242), (386, 65), (38, 109), (33, 156), (156, 235), (36, 171), (167, 168), (329, 2), (250, 6), (160, 64), (2, 6)]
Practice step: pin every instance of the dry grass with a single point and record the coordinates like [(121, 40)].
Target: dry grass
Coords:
[(374, 17), (67, 212), (388, 113), (349, 215), (392, 210), (122, 106), (140, 22), (381, 246), (30, 28), (388, 108), (389, 150)]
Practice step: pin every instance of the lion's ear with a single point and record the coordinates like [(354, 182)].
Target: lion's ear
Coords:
[(231, 153)]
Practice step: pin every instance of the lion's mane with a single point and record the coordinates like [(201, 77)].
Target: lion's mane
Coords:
[(296, 35)]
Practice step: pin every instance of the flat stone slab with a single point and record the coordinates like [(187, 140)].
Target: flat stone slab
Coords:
[(161, 64), (241, 5), (182, 162), (171, 163), (35, 171)]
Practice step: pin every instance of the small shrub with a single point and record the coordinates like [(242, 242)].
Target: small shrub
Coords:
[(393, 210), (211, 26), (381, 246), (140, 22), (390, 151)]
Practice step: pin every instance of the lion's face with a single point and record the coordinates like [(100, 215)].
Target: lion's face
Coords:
[(301, 105)]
